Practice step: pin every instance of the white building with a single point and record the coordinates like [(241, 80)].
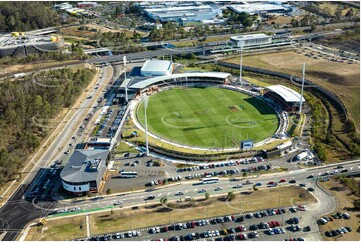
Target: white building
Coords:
[(252, 39), (257, 8), (157, 68)]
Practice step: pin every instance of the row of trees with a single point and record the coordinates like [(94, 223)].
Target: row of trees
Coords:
[(245, 19), (27, 105), (77, 54), (24, 16)]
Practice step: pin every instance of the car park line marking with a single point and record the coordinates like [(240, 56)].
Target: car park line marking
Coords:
[(195, 190), (141, 196), (351, 168), (168, 193), (186, 191), (160, 194), (319, 173)]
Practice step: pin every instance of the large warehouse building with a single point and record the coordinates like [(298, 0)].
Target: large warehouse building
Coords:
[(258, 8), (84, 171), (289, 99), (157, 68), (251, 39)]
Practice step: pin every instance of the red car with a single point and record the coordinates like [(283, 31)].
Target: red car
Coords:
[(282, 180), (277, 223), (240, 237), (193, 224), (271, 183), (233, 218), (165, 228)]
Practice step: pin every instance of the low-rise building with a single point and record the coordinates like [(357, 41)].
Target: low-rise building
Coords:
[(85, 171), (251, 39), (157, 68)]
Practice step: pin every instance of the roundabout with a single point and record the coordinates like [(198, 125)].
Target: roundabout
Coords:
[(207, 118)]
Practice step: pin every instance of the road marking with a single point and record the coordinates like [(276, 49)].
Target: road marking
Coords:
[(358, 167), (160, 194), (141, 196), (351, 168), (195, 190), (168, 193), (186, 191), (319, 173)]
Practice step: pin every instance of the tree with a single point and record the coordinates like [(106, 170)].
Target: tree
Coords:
[(356, 204), (349, 14), (244, 174), (338, 13), (313, 27), (164, 200), (295, 23), (255, 188), (231, 196), (206, 195), (108, 191)]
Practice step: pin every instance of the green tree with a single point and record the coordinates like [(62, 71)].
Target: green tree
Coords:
[(164, 200), (231, 196), (207, 195), (255, 188), (350, 14), (338, 13), (356, 204), (108, 191), (244, 174)]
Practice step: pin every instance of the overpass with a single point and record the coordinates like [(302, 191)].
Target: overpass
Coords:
[(42, 31), (96, 50)]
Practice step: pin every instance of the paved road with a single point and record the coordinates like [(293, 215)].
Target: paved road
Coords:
[(192, 188)]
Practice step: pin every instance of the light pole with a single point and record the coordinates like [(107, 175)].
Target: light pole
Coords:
[(125, 78), (241, 44), (145, 101), (303, 83)]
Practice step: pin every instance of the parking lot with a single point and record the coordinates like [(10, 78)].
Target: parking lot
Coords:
[(270, 224)]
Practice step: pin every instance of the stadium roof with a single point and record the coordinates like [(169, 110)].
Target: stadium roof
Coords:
[(154, 80), (286, 93), (85, 166), (156, 65)]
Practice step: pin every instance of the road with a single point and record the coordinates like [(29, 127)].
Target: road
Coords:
[(192, 188)]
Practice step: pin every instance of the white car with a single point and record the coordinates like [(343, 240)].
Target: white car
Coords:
[(179, 193)]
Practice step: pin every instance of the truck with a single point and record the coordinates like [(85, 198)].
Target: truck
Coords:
[(302, 155), (17, 75)]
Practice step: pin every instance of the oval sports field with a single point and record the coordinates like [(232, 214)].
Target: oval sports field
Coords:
[(208, 117)]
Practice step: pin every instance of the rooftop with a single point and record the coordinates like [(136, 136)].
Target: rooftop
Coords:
[(156, 65), (145, 83), (286, 93), (254, 8), (85, 166), (250, 36)]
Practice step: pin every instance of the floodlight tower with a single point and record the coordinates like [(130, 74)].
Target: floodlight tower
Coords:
[(145, 102), (241, 44), (125, 78), (303, 83)]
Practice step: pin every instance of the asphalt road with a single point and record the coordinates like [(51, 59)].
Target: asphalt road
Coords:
[(192, 188)]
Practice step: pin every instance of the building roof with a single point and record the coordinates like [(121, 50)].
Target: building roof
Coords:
[(250, 36), (156, 65), (85, 166), (154, 80), (254, 8), (286, 93)]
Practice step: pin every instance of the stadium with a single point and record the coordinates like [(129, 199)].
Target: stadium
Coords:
[(209, 111)]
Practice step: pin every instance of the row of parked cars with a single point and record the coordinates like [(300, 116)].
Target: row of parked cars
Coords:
[(338, 215), (106, 237), (224, 164), (338, 231), (229, 172)]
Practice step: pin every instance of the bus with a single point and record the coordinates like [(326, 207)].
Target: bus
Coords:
[(210, 180), (128, 174)]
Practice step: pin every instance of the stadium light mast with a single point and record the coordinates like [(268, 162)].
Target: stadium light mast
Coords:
[(303, 83), (145, 101), (125, 78), (241, 44)]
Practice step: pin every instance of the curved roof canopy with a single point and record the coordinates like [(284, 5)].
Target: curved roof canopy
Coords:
[(286, 93)]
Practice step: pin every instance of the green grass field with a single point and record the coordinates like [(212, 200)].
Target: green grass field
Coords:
[(208, 117)]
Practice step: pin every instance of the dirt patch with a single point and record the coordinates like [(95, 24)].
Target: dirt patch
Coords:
[(344, 199), (233, 108)]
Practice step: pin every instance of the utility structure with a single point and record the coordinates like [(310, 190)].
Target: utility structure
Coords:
[(125, 78), (145, 103), (303, 83), (241, 45)]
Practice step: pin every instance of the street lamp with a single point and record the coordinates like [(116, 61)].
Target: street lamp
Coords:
[(145, 102)]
